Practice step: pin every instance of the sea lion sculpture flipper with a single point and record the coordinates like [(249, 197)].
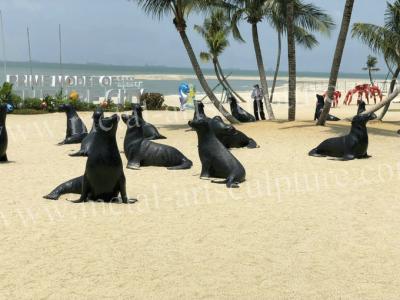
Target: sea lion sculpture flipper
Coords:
[(3, 133), (76, 129), (142, 152), (216, 160), (150, 132), (73, 186), (88, 140), (104, 177), (348, 147), (229, 136), (239, 113)]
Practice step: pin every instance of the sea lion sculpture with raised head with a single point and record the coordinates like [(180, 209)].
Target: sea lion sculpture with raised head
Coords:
[(104, 177), (142, 152), (239, 113), (76, 129), (150, 132), (87, 142), (216, 160), (348, 147)]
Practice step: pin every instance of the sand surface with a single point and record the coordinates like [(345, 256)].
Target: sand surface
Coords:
[(298, 228)]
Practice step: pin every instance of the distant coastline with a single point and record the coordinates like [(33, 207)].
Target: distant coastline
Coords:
[(150, 69)]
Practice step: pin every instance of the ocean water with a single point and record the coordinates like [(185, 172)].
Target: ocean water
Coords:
[(241, 80)]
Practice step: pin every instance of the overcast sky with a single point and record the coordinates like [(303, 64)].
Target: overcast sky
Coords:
[(118, 32)]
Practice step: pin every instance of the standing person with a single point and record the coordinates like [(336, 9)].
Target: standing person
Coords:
[(257, 95)]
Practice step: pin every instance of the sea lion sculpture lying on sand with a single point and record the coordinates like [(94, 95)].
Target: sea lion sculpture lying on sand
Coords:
[(88, 140), (3, 133), (361, 109), (216, 160), (239, 113), (229, 136), (150, 132), (348, 147), (104, 177), (142, 152), (76, 129), (319, 107)]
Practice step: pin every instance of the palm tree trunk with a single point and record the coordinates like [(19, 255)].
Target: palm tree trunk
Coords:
[(222, 83), (291, 61), (261, 71), (337, 59), (278, 63), (227, 84), (202, 80), (389, 99), (391, 88), (370, 76)]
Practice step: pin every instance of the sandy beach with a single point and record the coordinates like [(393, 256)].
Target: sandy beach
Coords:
[(299, 228)]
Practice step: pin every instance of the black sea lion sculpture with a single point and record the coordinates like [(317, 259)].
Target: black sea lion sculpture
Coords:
[(229, 136), (348, 147), (239, 113), (142, 152), (87, 142), (104, 177), (76, 129), (3, 133), (216, 160), (150, 132), (319, 107), (361, 108)]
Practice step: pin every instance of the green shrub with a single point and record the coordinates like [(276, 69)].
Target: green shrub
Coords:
[(29, 111), (32, 103), (153, 101)]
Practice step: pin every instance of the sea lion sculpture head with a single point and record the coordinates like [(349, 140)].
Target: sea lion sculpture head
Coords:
[(108, 126), (200, 125), (97, 114), (219, 127), (138, 108), (361, 120), (232, 101), (3, 113)]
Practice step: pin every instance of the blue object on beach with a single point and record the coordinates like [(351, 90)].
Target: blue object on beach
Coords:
[(184, 90), (10, 108)]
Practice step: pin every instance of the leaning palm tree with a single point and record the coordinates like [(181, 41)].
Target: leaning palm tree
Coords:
[(384, 40), (215, 31), (337, 59), (308, 18), (372, 61), (180, 10), (253, 11)]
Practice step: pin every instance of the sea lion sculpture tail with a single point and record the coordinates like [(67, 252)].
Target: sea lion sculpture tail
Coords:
[(186, 164)]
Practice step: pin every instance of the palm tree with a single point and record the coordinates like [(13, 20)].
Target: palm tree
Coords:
[(308, 18), (253, 11), (180, 9), (384, 40), (291, 60), (215, 31), (372, 61), (337, 59)]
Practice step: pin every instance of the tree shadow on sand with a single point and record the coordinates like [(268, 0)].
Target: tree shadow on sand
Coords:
[(343, 128)]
